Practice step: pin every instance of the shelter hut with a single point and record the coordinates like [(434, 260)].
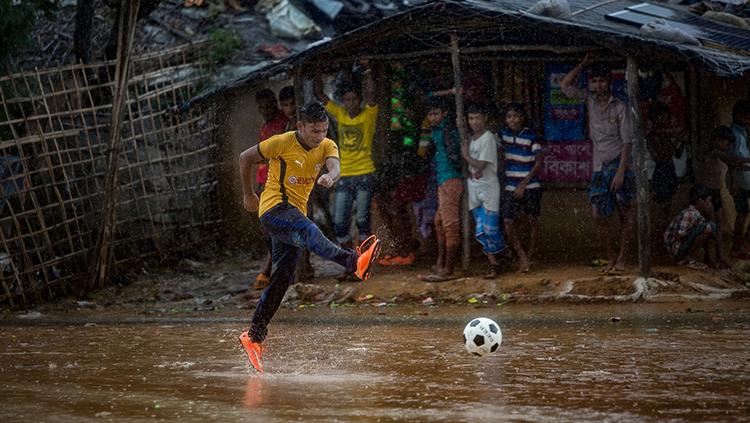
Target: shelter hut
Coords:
[(504, 53)]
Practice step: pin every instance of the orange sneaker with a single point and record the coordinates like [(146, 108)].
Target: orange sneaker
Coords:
[(405, 260), (253, 349), (261, 282), (386, 261), (398, 260), (368, 252)]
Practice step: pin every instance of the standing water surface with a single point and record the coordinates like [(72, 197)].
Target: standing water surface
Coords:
[(556, 363)]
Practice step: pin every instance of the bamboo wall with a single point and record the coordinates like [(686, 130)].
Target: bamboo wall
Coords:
[(54, 127)]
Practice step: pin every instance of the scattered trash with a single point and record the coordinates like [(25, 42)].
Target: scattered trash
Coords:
[(559, 9), (652, 330), (330, 7), (235, 5), (202, 301), (85, 304), (659, 28), (727, 18), (190, 266), (362, 298), (276, 51), (599, 262), (286, 20), (382, 304), (614, 319), (428, 301), (31, 315), (473, 300)]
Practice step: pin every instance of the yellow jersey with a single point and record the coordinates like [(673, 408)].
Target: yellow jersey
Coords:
[(355, 138), (292, 170)]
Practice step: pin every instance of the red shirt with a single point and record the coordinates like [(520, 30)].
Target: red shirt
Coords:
[(275, 126)]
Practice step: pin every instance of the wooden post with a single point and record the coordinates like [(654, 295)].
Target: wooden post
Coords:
[(299, 88), (641, 175), (458, 84), (303, 272), (104, 246)]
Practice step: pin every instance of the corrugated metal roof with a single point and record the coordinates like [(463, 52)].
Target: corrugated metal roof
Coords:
[(500, 22)]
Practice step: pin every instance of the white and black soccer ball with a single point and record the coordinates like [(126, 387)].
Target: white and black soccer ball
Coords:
[(482, 336)]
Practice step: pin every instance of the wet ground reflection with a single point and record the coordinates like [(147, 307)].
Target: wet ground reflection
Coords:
[(552, 366)]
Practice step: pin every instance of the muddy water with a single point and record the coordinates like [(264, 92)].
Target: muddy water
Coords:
[(555, 364)]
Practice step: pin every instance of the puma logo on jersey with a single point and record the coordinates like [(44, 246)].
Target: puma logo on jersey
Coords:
[(299, 163)]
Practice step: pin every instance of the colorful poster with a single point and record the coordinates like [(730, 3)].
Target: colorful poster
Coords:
[(568, 161), (567, 153), (563, 116)]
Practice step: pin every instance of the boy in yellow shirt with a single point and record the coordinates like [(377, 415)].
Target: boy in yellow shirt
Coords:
[(355, 130), (295, 158)]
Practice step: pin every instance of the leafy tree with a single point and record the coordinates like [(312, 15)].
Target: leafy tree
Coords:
[(17, 19)]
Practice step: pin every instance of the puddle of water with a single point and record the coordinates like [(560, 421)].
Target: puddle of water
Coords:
[(648, 367)]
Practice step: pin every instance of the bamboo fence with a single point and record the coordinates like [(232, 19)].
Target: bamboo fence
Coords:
[(54, 131)]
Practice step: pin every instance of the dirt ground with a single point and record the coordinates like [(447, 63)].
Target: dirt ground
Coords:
[(224, 283)]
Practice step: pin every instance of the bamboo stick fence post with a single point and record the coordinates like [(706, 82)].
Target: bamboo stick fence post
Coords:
[(463, 133), (104, 249)]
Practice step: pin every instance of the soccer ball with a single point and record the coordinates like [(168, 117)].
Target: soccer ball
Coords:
[(482, 336)]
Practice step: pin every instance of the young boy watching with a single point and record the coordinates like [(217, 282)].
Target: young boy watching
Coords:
[(480, 152), (523, 192)]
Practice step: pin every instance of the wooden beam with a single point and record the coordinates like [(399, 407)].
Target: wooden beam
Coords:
[(458, 84), (641, 174), (508, 48)]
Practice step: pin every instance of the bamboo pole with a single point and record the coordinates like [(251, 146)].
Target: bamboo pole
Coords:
[(458, 83), (641, 174), (300, 274), (105, 240)]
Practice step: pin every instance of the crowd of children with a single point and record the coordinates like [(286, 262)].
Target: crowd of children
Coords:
[(498, 167)]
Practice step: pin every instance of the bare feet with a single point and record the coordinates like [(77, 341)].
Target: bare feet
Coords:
[(493, 273), (692, 264), (523, 264)]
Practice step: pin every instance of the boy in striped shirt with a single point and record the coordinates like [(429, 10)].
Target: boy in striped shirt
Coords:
[(523, 192)]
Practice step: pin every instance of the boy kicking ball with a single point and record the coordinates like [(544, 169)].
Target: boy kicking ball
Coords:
[(295, 158)]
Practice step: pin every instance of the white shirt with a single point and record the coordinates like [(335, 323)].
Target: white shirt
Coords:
[(484, 191)]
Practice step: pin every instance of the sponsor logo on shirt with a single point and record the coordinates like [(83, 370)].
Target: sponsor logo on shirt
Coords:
[(300, 180)]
